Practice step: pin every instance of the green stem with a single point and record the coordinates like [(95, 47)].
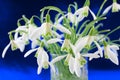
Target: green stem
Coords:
[(104, 31), (83, 25), (115, 41), (114, 0), (18, 22), (110, 32), (101, 7)]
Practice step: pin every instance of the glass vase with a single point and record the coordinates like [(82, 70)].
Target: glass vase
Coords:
[(63, 73)]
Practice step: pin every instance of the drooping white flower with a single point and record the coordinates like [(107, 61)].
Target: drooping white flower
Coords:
[(78, 61), (97, 54), (79, 15), (84, 11), (110, 52), (71, 64), (74, 18), (43, 29), (65, 45), (74, 64), (43, 59), (46, 29), (115, 8), (15, 44), (26, 31), (83, 41)]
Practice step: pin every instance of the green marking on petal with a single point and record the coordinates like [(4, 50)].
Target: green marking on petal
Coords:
[(13, 46)]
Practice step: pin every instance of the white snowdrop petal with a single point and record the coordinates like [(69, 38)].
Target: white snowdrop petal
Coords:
[(112, 56), (94, 17), (36, 33), (81, 42), (71, 65), (79, 18), (16, 36), (91, 55), (119, 6), (21, 28), (74, 49), (54, 40), (79, 11), (45, 56), (39, 70), (29, 52), (40, 57), (62, 28), (58, 59), (77, 68), (107, 9), (34, 44), (52, 67), (31, 29), (5, 50), (24, 37), (116, 47), (20, 44), (71, 17), (99, 48)]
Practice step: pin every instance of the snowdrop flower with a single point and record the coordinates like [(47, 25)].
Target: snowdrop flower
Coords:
[(43, 29), (80, 14), (83, 41), (97, 54), (74, 18), (18, 43), (26, 32), (71, 17), (110, 52), (76, 63), (43, 59), (115, 7), (65, 45), (84, 11), (46, 29)]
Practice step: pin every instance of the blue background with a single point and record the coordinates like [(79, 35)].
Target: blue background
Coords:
[(15, 67)]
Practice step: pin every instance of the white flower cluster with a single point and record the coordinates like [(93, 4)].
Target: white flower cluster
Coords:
[(65, 37)]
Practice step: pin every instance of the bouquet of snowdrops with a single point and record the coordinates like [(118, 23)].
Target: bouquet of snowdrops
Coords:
[(70, 37)]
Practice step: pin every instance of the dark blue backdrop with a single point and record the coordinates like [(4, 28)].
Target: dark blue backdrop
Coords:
[(15, 67)]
